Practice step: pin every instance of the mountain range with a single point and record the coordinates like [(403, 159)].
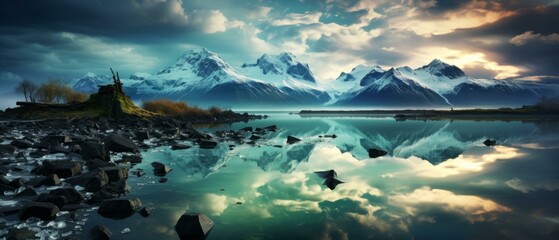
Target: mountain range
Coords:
[(203, 78)]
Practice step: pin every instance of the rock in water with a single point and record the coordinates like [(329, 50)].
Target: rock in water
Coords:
[(490, 142), (142, 135), (146, 211), (208, 144), (375, 153), (7, 149), (100, 232), (70, 194), (117, 143), (332, 182), (193, 226), (41, 210), (19, 143), (160, 169), (116, 173), (119, 208), (327, 174), (291, 140), (179, 147), (92, 181), (62, 168), (94, 150)]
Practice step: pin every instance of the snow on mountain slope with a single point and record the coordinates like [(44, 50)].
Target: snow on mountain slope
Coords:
[(89, 83), (288, 74), (391, 89)]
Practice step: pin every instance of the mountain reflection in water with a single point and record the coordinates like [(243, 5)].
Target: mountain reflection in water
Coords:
[(437, 182)]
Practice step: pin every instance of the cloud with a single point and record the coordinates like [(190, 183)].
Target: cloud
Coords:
[(58, 54), (97, 17), (465, 59), (463, 164), (472, 208), (298, 19), (519, 185), (530, 36), (259, 12), (213, 21), (473, 14)]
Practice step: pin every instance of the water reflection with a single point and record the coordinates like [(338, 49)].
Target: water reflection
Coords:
[(439, 181)]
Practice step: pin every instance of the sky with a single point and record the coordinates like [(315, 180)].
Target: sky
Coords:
[(65, 39)]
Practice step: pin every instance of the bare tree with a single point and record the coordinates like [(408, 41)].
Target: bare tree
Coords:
[(28, 89)]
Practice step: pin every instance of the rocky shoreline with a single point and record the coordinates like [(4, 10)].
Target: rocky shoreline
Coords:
[(56, 172)]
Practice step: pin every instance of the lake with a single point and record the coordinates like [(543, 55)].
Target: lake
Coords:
[(438, 181)]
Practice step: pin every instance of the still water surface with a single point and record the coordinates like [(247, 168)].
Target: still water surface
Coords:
[(437, 182)]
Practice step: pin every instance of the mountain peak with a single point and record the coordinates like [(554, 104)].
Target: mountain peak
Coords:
[(285, 64), (90, 75), (440, 69), (200, 61)]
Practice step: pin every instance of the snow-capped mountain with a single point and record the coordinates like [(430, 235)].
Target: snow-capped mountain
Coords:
[(290, 75), (90, 82), (203, 78), (390, 88), (435, 84)]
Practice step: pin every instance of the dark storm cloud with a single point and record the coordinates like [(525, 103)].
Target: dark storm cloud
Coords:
[(126, 18), (539, 58)]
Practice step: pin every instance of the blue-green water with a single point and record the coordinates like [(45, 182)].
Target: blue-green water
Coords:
[(437, 182)]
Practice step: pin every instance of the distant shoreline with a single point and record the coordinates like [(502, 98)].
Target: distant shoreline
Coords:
[(465, 114)]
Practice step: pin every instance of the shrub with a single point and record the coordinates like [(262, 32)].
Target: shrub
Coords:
[(168, 107), (54, 91)]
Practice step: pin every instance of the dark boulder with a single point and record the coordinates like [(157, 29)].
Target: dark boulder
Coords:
[(208, 144), (43, 211), (100, 232), (17, 183), (94, 150), (291, 140), (490, 142), (117, 143), (4, 188), (7, 149), (99, 197), (70, 194), (146, 211), (271, 128), (38, 154), (246, 129), (58, 149), (193, 226), (119, 187), (59, 201), (96, 163), (62, 168), (119, 208), (133, 159), (56, 139), (92, 181), (179, 147), (160, 169), (20, 143), (50, 180), (255, 137), (116, 173), (142, 135), (27, 192), (375, 153)]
